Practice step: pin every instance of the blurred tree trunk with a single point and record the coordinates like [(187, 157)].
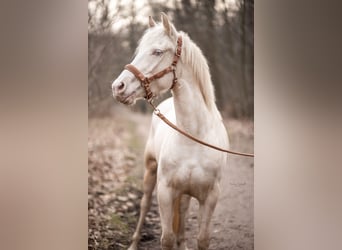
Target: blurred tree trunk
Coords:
[(243, 58), (249, 17), (210, 46), (227, 62), (132, 26)]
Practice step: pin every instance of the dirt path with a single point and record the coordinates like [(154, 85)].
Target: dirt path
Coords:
[(232, 223)]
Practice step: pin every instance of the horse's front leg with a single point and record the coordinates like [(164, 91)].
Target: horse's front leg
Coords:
[(150, 178), (183, 210), (166, 198), (206, 210)]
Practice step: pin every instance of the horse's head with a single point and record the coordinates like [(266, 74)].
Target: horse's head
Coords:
[(155, 52)]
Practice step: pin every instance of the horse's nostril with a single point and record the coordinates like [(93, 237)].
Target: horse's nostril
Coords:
[(121, 86)]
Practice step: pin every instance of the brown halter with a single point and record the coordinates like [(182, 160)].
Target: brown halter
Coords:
[(146, 81)]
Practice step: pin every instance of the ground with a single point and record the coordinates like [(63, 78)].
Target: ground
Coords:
[(115, 153)]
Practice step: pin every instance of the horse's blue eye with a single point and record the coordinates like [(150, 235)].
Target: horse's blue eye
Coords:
[(157, 52)]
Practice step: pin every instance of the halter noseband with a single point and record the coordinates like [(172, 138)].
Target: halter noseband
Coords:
[(146, 81)]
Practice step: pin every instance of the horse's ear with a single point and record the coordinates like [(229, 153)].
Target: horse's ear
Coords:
[(169, 28), (151, 22)]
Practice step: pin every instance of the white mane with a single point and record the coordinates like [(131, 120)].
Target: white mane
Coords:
[(193, 56)]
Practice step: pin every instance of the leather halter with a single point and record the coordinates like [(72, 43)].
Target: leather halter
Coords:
[(146, 81)]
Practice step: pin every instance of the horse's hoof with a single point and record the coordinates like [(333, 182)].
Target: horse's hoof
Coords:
[(133, 247)]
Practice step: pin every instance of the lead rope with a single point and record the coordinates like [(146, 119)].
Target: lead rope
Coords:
[(145, 82), (168, 122)]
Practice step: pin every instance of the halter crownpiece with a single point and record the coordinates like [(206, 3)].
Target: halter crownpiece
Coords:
[(146, 81)]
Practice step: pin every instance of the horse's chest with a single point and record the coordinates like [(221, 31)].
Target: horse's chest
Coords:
[(192, 171)]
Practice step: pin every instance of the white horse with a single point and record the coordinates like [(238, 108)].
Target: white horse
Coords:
[(181, 167)]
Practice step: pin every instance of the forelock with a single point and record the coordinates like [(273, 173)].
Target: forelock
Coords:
[(153, 35)]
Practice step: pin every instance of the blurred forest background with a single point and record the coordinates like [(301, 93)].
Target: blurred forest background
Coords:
[(223, 29)]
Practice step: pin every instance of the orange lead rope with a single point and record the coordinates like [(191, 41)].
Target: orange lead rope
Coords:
[(168, 122)]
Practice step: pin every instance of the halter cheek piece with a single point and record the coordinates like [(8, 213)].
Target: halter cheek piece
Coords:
[(146, 81)]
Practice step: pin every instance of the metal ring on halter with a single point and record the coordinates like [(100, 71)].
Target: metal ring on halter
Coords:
[(156, 111)]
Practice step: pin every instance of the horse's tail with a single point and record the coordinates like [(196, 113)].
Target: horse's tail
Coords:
[(176, 217)]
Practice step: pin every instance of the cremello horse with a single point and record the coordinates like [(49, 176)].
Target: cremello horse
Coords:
[(181, 167)]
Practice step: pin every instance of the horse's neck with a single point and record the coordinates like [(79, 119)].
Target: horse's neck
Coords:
[(192, 114)]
